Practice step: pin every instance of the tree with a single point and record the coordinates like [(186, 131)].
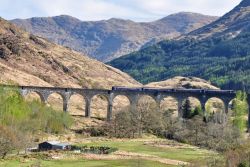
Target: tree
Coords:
[(131, 124), (148, 117), (8, 141), (187, 109), (197, 111), (240, 109), (189, 112), (122, 126)]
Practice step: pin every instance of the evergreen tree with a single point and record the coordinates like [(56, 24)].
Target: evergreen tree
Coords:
[(187, 109)]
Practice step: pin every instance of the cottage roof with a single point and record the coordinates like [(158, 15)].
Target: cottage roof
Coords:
[(52, 142), (57, 143)]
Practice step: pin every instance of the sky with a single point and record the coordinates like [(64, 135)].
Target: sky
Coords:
[(92, 10)]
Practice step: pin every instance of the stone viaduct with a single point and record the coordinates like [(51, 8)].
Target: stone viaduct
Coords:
[(133, 95)]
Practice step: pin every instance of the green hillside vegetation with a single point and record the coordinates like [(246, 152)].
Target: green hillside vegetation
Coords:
[(21, 120), (225, 62), (240, 109)]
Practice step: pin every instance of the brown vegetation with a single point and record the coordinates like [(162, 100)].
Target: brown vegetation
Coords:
[(30, 60)]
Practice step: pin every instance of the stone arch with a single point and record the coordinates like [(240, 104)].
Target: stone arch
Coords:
[(57, 101), (146, 102), (189, 104), (34, 95), (217, 104), (99, 106), (120, 103), (169, 104), (77, 105), (216, 109)]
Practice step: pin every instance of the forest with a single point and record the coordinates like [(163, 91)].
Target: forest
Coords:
[(225, 61)]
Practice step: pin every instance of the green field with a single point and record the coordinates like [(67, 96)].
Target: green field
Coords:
[(86, 163), (184, 154), (187, 154)]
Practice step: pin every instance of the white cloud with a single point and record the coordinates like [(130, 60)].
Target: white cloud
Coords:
[(137, 10), (210, 7)]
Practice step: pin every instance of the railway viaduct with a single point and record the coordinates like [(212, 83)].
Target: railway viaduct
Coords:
[(133, 95)]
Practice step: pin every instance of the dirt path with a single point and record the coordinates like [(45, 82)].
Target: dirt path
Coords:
[(129, 155)]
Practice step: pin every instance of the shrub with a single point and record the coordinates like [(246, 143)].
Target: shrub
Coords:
[(8, 141), (20, 119), (95, 149), (97, 131)]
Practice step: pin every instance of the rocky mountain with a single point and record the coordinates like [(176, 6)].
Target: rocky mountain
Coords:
[(108, 39), (29, 60), (218, 52)]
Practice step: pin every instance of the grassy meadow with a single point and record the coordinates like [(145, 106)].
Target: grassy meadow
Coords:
[(131, 153)]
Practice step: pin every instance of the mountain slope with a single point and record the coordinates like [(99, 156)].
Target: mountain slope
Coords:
[(218, 52), (230, 25), (109, 39), (28, 60), (183, 83)]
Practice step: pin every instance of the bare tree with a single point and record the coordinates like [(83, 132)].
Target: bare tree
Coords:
[(8, 141)]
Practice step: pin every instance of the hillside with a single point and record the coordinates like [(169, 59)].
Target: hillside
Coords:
[(108, 39), (28, 60), (218, 52), (229, 26), (183, 83)]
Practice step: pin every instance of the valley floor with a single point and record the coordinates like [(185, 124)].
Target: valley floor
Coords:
[(131, 153)]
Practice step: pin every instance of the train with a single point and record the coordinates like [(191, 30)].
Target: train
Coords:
[(120, 88)]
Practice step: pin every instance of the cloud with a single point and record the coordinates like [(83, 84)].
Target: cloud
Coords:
[(138, 10), (210, 7)]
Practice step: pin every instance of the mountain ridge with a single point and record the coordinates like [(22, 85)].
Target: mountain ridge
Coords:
[(108, 39), (229, 25)]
